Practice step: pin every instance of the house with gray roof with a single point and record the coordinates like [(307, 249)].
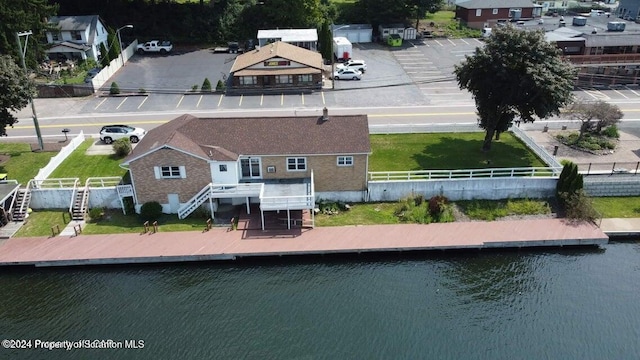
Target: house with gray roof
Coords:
[(280, 163), (76, 37), (276, 67), (480, 14)]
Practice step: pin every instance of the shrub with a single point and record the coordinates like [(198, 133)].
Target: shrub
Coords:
[(578, 206), (206, 85), (151, 211), (437, 204), (611, 131), (141, 91), (570, 181), (114, 90), (96, 214), (122, 147), (194, 88), (220, 86)]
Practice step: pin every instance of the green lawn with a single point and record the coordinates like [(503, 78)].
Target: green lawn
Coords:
[(618, 207), (447, 151), (23, 164), (115, 223), (39, 222), (83, 166), (361, 214)]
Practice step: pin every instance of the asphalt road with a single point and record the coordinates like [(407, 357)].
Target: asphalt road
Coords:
[(402, 87)]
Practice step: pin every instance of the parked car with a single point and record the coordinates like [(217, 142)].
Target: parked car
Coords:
[(347, 74), (111, 133), (359, 65), (91, 74)]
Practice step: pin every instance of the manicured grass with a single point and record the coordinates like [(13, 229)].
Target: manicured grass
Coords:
[(361, 214), (441, 17), (23, 164), (447, 151), (39, 222), (489, 210), (617, 207), (83, 166), (115, 222)]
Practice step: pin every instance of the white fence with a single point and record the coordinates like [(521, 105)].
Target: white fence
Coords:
[(60, 157), (463, 174), (105, 74)]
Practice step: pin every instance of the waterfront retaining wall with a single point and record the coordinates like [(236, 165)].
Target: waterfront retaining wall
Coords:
[(106, 197), (612, 186)]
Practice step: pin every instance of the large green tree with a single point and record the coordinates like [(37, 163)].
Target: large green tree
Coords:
[(20, 16), (15, 91), (423, 7), (517, 73)]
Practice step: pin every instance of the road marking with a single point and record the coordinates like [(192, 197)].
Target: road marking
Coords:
[(434, 72), (417, 63), (198, 104), (220, 101), (465, 41), (261, 99), (621, 94), (101, 102), (122, 102), (281, 99), (240, 103), (479, 42), (143, 101), (597, 95), (180, 101), (633, 91), (438, 42), (451, 41), (302, 94), (322, 93)]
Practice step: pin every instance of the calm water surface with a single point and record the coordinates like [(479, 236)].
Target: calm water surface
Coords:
[(556, 304)]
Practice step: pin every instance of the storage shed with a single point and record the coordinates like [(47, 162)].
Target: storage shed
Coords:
[(406, 33), (355, 33)]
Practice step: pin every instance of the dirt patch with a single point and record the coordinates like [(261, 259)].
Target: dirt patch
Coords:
[(4, 158), (49, 146)]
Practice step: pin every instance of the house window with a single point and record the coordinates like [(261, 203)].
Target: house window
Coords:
[(223, 168), (305, 78), (345, 160), (495, 11), (55, 36), (248, 80), (478, 12), (284, 79), (170, 171), (297, 164), (76, 35)]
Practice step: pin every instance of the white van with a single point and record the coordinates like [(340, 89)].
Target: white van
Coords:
[(486, 32)]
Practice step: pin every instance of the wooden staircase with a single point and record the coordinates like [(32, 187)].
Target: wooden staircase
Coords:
[(22, 201), (80, 204)]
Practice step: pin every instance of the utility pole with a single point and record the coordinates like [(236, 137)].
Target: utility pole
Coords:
[(23, 52)]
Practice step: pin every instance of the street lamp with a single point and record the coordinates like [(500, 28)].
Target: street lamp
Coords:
[(23, 52), (129, 26), (333, 52)]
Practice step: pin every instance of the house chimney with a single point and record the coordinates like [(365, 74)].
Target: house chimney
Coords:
[(325, 114)]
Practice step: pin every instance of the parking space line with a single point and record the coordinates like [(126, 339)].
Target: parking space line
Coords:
[(633, 91), (424, 72), (479, 42), (240, 103), (220, 101), (621, 94), (464, 41), (438, 42), (198, 104), (302, 94), (281, 99), (452, 43), (597, 95), (143, 101), (122, 102), (322, 93), (417, 63), (101, 102), (180, 101), (261, 99)]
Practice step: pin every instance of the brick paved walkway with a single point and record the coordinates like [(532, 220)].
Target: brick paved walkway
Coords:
[(222, 244)]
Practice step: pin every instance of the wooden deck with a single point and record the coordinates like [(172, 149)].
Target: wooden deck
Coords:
[(225, 244)]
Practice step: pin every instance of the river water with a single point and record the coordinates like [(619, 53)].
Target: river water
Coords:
[(546, 304)]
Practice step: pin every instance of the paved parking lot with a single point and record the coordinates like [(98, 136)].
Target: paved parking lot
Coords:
[(418, 73)]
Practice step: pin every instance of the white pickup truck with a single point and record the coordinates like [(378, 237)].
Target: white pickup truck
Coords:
[(155, 46)]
